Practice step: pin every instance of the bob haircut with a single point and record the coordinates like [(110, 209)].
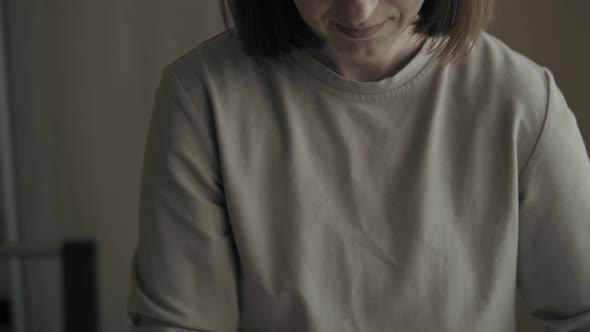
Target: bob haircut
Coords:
[(272, 28)]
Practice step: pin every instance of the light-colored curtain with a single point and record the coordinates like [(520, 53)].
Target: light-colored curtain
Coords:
[(86, 71)]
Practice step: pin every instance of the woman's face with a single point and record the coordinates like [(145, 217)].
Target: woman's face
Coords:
[(359, 27)]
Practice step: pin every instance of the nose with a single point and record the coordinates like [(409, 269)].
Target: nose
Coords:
[(356, 12)]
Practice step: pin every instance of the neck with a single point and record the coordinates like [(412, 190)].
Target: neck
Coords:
[(373, 67)]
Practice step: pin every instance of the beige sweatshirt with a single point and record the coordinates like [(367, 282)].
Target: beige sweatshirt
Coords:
[(282, 198)]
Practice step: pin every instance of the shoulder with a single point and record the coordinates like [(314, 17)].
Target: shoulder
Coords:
[(218, 49), (217, 76), (218, 61), (496, 54), (495, 78), (503, 73), (498, 58)]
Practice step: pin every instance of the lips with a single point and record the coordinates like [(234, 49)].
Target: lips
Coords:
[(360, 33)]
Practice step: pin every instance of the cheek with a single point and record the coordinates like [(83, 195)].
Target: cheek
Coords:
[(413, 7), (408, 8), (312, 11)]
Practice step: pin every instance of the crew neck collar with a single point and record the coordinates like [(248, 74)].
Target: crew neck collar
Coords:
[(388, 85)]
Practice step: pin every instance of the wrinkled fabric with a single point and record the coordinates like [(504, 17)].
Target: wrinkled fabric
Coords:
[(287, 198)]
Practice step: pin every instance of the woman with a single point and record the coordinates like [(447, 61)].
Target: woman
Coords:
[(360, 165)]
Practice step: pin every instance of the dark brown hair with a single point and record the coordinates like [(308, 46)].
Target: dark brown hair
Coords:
[(271, 28)]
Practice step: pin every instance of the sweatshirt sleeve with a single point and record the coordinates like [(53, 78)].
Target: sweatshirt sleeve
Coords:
[(554, 222), (185, 265)]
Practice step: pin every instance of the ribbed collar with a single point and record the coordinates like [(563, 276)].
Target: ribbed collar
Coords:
[(411, 71)]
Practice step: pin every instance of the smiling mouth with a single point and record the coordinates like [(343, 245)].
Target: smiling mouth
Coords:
[(360, 33)]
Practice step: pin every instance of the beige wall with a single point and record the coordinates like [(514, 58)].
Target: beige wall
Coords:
[(81, 126)]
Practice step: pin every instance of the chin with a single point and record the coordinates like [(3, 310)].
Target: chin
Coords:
[(361, 49)]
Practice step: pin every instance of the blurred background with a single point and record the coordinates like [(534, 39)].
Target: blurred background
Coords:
[(79, 78)]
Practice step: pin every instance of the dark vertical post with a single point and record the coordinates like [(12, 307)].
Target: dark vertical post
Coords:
[(79, 286), (5, 317)]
